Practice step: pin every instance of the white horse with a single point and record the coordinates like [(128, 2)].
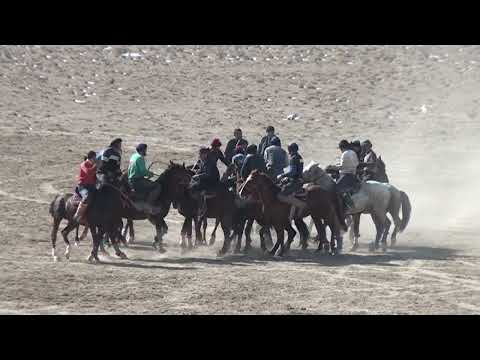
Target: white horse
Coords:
[(374, 198)]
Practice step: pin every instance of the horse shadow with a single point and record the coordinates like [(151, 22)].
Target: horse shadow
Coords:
[(311, 256), (135, 265)]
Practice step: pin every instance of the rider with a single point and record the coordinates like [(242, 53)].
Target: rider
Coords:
[(138, 178), (109, 168), (292, 181), (266, 140), (276, 158), (348, 170), (86, 184), (356, 146), (206, 178), (369, 159), (233, 143), (216, 153), (253, 161)]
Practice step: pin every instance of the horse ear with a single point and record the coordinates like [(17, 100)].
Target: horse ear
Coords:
[(183, 165), (380, 157)]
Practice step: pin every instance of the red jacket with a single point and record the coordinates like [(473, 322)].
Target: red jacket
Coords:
[(88, 171)]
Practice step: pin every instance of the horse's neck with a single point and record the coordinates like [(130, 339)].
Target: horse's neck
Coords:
[(267, 196)]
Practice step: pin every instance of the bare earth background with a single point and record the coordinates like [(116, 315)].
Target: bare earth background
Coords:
[(418, 104)]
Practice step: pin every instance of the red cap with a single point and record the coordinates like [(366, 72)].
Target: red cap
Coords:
[(216, 143)]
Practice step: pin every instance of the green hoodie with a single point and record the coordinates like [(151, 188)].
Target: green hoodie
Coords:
[(137, 168)]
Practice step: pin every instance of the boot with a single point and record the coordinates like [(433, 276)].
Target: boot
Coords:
[(79, 216)]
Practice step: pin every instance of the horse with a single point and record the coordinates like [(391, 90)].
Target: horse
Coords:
[(173, 181), (104, 215), (276, 213), (63, 207), (378, 199)]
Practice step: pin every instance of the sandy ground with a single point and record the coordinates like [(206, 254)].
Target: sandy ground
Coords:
[(419, 105)]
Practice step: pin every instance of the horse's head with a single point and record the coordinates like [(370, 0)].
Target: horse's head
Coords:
[(256, 184), (312, 172), (175, 178)]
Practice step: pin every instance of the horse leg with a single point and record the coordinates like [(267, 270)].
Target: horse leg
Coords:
[(93, 257), (304, 232), (226, 223), (310, 225), (70, 226), (290, 237), (356, 231), (386, 229), (280, 240), (322, 235), (114, 236), (84, 233), (56, 225), (198, 233), (379, 225), (204, 234), (213, 236), (248, 235), (183, 233), (239, 232)]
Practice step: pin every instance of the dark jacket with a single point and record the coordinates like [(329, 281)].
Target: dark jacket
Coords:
[(209, 171), (110, 161), (295, 167), (252, 162), (231, 145), (264, 144), (218, 155)]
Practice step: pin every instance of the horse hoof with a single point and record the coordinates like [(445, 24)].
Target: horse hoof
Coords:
[(77, 244), (55, 259), (354, 247), (122, 255), (93, 259), (161, 249), (237, 251), (371, 247), (272, 253)]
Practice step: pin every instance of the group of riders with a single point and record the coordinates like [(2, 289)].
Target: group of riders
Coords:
[(357, 162)]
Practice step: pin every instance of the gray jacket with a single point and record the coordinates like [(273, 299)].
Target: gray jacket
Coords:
[(276, 159)]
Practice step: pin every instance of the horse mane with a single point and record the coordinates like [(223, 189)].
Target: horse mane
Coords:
[(164, 175), (274, 187)]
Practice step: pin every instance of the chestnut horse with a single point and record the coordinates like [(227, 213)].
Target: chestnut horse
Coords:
[(320, 205)]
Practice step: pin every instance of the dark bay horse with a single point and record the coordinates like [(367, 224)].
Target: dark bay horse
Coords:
[(276, 213), (173, 180)]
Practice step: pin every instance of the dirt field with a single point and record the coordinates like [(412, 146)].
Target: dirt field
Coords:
[(419, 105)]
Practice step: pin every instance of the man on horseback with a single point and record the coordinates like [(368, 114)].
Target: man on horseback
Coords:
[(232, 144), (217, 154), (266, 140), (206, 178), (348, 171), (369, 164), (356, 146), (291, 181), (109, 168), (138, 178), (86, 185), (276, 158), (253, 161)]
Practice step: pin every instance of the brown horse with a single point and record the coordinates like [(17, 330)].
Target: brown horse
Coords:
[(63, 207), (320, 206)]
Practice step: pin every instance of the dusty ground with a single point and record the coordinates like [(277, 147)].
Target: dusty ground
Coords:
[(418, 105)]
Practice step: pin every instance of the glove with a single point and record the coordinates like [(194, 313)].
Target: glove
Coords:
[(279, 177)]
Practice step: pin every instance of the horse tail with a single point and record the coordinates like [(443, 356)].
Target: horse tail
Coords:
[(57, 207), (406, 210), (339, 213)]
